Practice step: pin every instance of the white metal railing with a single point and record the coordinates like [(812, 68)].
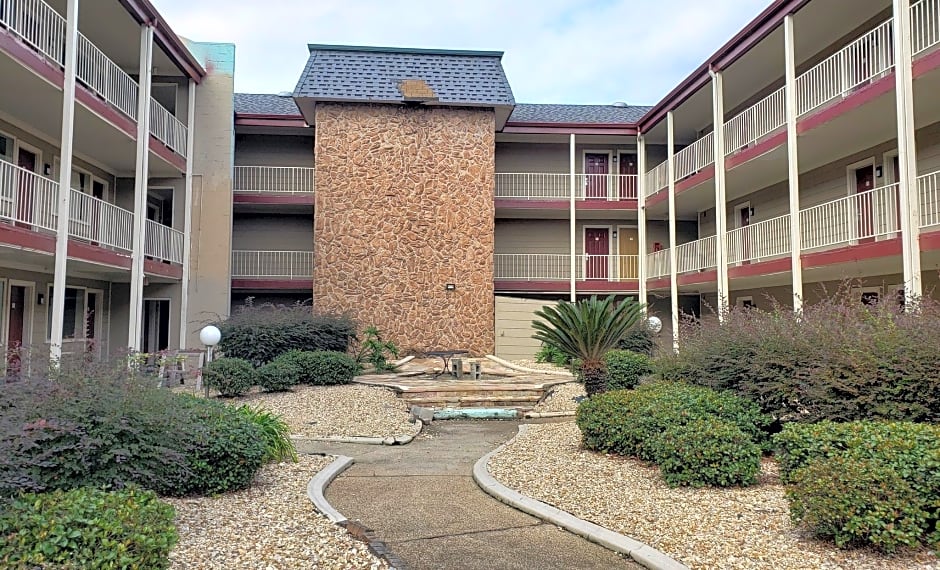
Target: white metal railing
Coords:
[(163, 242), (760, 241), (657, 178), (94, 220), (606, 186), (756, 122), (255, 264), (925, 25), (104, 77), (273, 179), (697, 255), (27, 199), (866, 59), (533, 185), (861, 216), (532, 266), (38, 24), (657, 264), (928, 191), (166, 128), (607, 267), (695, 157)]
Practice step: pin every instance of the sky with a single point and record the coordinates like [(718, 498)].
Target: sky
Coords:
[(556, 51)]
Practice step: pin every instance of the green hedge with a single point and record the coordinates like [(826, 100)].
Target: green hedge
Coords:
[(279, 375), (86, 528), (230, 376), (707, 451), (624, 369), (320, 367)]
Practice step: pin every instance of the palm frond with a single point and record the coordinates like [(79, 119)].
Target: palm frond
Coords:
[(588, 328)]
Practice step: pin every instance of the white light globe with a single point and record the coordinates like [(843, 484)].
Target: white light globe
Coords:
[(210, 335), (655, 324)]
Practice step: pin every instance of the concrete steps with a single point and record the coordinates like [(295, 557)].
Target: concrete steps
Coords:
[(523, 399)]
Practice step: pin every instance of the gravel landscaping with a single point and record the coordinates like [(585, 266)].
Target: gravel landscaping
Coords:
[(540, 366), (272, 525), (346, 411), (561, 398), (747, 528)]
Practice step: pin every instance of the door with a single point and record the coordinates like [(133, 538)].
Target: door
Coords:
[(596, 169), (24, 196), (628, 177), (864, 184), (744, 220), (156, 326), (897, 197), (16, 329), (596, 253), (628, 247), (92, 321)]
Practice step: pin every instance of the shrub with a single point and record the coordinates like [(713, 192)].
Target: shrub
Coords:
[(260, 333), (325, 368), (275, 432), (86, 528), (624, 369), (230, 376), (841, 360), (640, 339), (376, 351), (548, 353), (279, 375), (857, 500), (707, 451)]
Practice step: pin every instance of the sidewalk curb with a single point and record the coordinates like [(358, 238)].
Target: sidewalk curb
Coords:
[(390, 440), (516, 367), (643, 554)]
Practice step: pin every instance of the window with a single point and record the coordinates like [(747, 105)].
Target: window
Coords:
[(73, 318), (6, 148)]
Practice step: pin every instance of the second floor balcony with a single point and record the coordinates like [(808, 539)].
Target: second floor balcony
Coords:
[(273, 185), (552, 272), (272, 269), (554, 190)]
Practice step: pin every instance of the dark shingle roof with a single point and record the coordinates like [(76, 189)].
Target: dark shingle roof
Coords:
[(263, 104), (577, 114), (374, 74)]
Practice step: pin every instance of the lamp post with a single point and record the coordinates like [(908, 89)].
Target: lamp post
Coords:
[(209, 336)]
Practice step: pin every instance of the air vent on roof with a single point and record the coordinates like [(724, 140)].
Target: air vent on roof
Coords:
[(619, 104), (285, 94)]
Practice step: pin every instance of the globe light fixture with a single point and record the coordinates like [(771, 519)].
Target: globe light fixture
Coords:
[(209, 336), (655, 324)]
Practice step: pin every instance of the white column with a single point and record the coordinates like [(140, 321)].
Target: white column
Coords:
[(571, 216), (65, 183), (793, 166), (135, 314), (673, 258), (187, 212), (907, 154), (641, 218), (721, 218)]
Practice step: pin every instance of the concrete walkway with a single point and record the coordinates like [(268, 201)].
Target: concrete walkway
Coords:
[(420, 499)]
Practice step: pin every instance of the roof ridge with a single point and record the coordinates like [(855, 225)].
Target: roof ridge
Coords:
[(390, 49)]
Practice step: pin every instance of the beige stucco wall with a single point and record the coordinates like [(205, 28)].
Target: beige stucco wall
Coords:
[(281, 232), (551, 157), (273, 150), (404, 205)]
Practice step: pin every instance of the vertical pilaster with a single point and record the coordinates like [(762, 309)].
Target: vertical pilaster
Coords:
[(793, 166), (572, 218), (642, 268), (721, 217), (673, 258), (65, 183), (187, 213), (140, 188), (907, 153)]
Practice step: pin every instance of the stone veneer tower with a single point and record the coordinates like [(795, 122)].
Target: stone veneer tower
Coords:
[(403, 218)]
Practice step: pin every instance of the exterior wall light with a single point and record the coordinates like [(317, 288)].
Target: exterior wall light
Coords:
[(450, 287)]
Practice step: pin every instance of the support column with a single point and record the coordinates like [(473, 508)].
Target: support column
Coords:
[(187, 212), (135, 314), (793, 166), (907, 154), (721, 214), (573, 221), (65, 184), (673, 258), (641, 220)]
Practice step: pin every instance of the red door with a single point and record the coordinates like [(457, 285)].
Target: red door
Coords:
[(15, 329), (596, 253), (596, 168), (897, 196), (864, 183), (628, 180), (24, 198), (744, 221)]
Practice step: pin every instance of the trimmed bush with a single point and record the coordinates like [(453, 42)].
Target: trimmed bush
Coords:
[(230, 376), (321, 367), (86, 528), (261, 333), (275, 432), (860, 501), (548, 353), (279, 375), (624, 369), (640, 340), (707, 451)]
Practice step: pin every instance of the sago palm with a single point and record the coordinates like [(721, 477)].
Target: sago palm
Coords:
[(587, 330)]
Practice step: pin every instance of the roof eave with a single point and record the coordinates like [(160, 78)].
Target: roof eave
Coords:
[(145, 13)]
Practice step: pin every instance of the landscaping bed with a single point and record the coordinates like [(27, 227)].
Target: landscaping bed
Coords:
[(706, 528), (561, 399), (272, 524)]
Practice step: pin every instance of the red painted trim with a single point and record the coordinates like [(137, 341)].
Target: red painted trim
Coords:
[(269, 116), (759, 149), (661, 283), (105, 110), (605, 205), (607, 286), (657, 198), (927, 62), (760, 268), (556, 129), (517, 204), (853, 101), (95, 254), (27, 239), (553, 125), (277, 199), (145, 13), (295, 285), (154, 267), (533, 286), (240, 121), (699, 277), (930, 240), (30, 59), (853, 253), (699, 177), (166, 154)]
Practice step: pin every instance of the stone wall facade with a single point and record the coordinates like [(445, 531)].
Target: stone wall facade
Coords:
[(404, 206)]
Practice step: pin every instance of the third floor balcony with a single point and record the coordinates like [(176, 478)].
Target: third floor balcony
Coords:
[(273, 185), (553, 191)]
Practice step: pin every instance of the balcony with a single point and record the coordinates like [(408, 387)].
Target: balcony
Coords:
[(539, 272), (273, 185), (258, 269), (539, 190)]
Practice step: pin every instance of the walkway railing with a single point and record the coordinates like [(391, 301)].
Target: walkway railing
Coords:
[(861, 216), (38, 24), (756, 122), (163, 242), (760, 241), (533, 185), (606, 187), (267, 264), (104, 77), (697, 255), (607, 267), (657, 179), (695, 157), (166, 128), (657, 264), (531, 267), (928, 190), (94, 220), (273, 179), (27, 199), (925, 25)]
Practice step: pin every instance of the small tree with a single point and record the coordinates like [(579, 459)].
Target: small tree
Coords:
[(587, 330)]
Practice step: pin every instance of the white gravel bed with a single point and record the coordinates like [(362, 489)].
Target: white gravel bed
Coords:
[(348, 411), (561, 398), (271, 525), (540, 365), (746, 528)]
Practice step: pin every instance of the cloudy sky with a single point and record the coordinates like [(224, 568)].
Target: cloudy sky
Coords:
[(557, 51)]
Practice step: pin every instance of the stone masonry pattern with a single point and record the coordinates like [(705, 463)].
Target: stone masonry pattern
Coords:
[(404, 206)]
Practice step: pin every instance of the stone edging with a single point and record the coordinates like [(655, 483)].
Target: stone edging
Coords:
[(391, 440), (518, 368), (643, 554), (315, 489), (549, 414)]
